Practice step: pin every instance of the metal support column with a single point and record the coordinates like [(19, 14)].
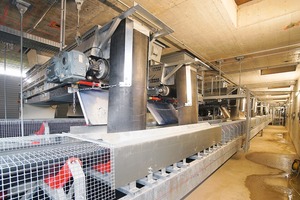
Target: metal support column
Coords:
[(202, 82), (186, 85), (127, 94), (248, 120)]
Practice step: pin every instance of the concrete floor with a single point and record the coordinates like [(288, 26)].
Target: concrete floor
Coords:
[(262, 173)]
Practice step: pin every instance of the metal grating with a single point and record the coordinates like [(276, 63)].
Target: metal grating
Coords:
[(70, 169)]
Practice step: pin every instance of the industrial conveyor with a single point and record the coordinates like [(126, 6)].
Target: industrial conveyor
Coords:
[(119, 155)]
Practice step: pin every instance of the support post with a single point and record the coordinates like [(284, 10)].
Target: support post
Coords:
[(248, 121), (127, 96), (22, 7), (187, 95)]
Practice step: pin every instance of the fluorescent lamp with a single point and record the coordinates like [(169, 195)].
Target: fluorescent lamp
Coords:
[(277, 70)]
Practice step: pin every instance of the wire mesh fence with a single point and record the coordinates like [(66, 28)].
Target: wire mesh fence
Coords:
[(58, 167), (12, 128), (231, 130)]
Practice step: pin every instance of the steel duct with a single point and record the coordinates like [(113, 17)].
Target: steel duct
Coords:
[(127, 105), (186, 114)]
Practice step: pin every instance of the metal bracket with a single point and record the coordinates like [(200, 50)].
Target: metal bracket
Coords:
[(130, 188), (173, 168), (79, 180), (22, 6), (165, 30), (78, 187), (149, 181), (183, 164), (161, 174), (164, 79)]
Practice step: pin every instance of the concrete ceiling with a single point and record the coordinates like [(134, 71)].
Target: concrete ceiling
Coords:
[(266, 33)]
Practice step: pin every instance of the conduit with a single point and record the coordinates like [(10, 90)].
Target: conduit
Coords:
[(62, 24), (22, 7)]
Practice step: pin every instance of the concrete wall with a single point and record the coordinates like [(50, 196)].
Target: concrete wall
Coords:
[(293, 123)]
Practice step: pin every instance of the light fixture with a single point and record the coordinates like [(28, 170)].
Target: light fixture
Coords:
[(279, 87), (275, 70)]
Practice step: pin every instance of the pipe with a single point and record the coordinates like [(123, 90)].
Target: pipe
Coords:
[(21, 77), (202, 82), (4, 84), (62, 24), (43, 16), (22, 7), (212, 86), (240, 74)]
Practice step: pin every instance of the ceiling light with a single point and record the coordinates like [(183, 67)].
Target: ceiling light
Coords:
[(280, 86), (275, 99), (277, 70), (278, 94)]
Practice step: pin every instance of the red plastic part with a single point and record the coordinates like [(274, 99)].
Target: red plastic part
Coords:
[(155, 98), (62, 177), (102, 167), (87, 83), (41, 131), (34, 143)]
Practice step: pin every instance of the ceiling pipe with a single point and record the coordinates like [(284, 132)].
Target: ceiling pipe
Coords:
[(22, 7), (43, 16), (4, 82), (62, 24)]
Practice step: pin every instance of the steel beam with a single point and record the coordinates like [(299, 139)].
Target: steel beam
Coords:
[(238, 96)]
